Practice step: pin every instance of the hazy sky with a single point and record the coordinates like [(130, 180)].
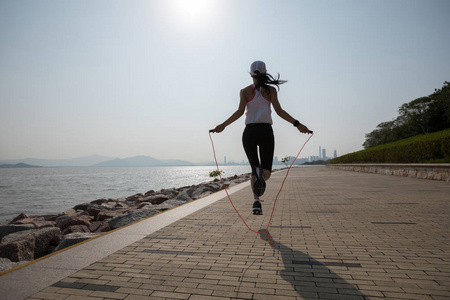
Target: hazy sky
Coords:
[(143, 77)]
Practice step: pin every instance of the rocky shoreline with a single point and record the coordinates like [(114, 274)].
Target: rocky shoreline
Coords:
[(27, 238)]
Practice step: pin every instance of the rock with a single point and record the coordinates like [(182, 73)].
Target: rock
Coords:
[(183, 197), (26, 220), (110, 204), (143, 205), (158, 199), (10, 228), (205, 190), (43, 224), (19, 250), (76, 228), (43, 239), (21, 216), (150, 193), (74, 238), (6, 264), (168, 204), (120, 205), (137, 197), (82, 206), (73, 220), (52, 217), (98, 227), (169, 192), (70, 212), (130, 217), (109, 214), (99, 201), (93, 210)]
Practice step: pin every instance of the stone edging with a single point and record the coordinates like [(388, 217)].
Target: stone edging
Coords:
[(421, 171)]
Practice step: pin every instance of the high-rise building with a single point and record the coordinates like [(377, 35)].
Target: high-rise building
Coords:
[(320, 152), (335, 154), (324, 154), (224, 160)]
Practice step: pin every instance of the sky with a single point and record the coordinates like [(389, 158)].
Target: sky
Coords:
[(151, 77)]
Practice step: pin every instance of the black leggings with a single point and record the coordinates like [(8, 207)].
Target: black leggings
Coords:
[(259, 134)]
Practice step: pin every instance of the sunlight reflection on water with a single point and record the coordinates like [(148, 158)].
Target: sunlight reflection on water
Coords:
[(54, 190)]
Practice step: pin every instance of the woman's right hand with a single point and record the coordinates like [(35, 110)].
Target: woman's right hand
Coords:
[(219, 128)]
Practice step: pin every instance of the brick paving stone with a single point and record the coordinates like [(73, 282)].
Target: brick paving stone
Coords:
[(339, 235)]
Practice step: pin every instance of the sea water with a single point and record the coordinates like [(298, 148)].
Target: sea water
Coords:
[(40, 191)]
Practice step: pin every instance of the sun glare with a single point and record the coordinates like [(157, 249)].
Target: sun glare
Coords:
[(193, 10)]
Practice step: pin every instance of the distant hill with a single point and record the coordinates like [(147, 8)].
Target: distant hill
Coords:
[(73, 162), (19, 165), (142, 161)]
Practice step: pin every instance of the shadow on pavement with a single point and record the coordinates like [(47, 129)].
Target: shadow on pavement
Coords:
[(313, 279)]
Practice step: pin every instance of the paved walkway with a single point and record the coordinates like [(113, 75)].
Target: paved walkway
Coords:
[(339, 235)]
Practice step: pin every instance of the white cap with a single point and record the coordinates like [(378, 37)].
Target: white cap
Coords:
[(258, 66)]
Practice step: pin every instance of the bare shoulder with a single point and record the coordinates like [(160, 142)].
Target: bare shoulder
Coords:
[(247, 89), (247, 92), (269, 93)]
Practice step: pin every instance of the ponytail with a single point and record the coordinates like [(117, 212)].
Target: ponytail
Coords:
[(265, 79)]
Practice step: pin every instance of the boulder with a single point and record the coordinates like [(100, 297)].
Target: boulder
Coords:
[(21, 216), (76, 228), (110, 204), (43, 224), (73, 220), (158, 199), (44, 238), (18, 250), (168, 204), (99, 201), (137, 197), (205, 190), (74, 238), (82, 206), (6, 264), (183, 197), (11, 228), (23, 219), (150, 193), (120, 205), (70, 212), (93, 210), (130, 217), (109, 214), (98, 227)]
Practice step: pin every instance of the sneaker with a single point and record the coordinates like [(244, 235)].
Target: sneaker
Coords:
[(257, 209), (259, 187)]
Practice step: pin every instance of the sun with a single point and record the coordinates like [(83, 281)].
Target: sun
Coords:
[(193, 10)]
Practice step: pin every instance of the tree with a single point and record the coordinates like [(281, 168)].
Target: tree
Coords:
[(420, 116)]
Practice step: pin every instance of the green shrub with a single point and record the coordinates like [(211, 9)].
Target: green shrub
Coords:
[(215, 173), (433, 147)]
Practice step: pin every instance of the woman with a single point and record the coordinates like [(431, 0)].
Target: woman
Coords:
[(258, 132)]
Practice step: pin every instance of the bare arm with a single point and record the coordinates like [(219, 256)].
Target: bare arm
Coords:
[(284, 114), (236, 115)]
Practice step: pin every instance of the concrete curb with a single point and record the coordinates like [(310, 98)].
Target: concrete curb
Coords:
[(421, 171)]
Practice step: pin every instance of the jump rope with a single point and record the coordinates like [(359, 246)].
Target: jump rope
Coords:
[(276, 198)]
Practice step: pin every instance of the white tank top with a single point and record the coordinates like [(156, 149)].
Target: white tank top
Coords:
[(258, 109)]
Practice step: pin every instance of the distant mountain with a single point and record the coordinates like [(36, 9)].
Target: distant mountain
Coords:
[(19, 165), (142, 161), (73, 162)]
